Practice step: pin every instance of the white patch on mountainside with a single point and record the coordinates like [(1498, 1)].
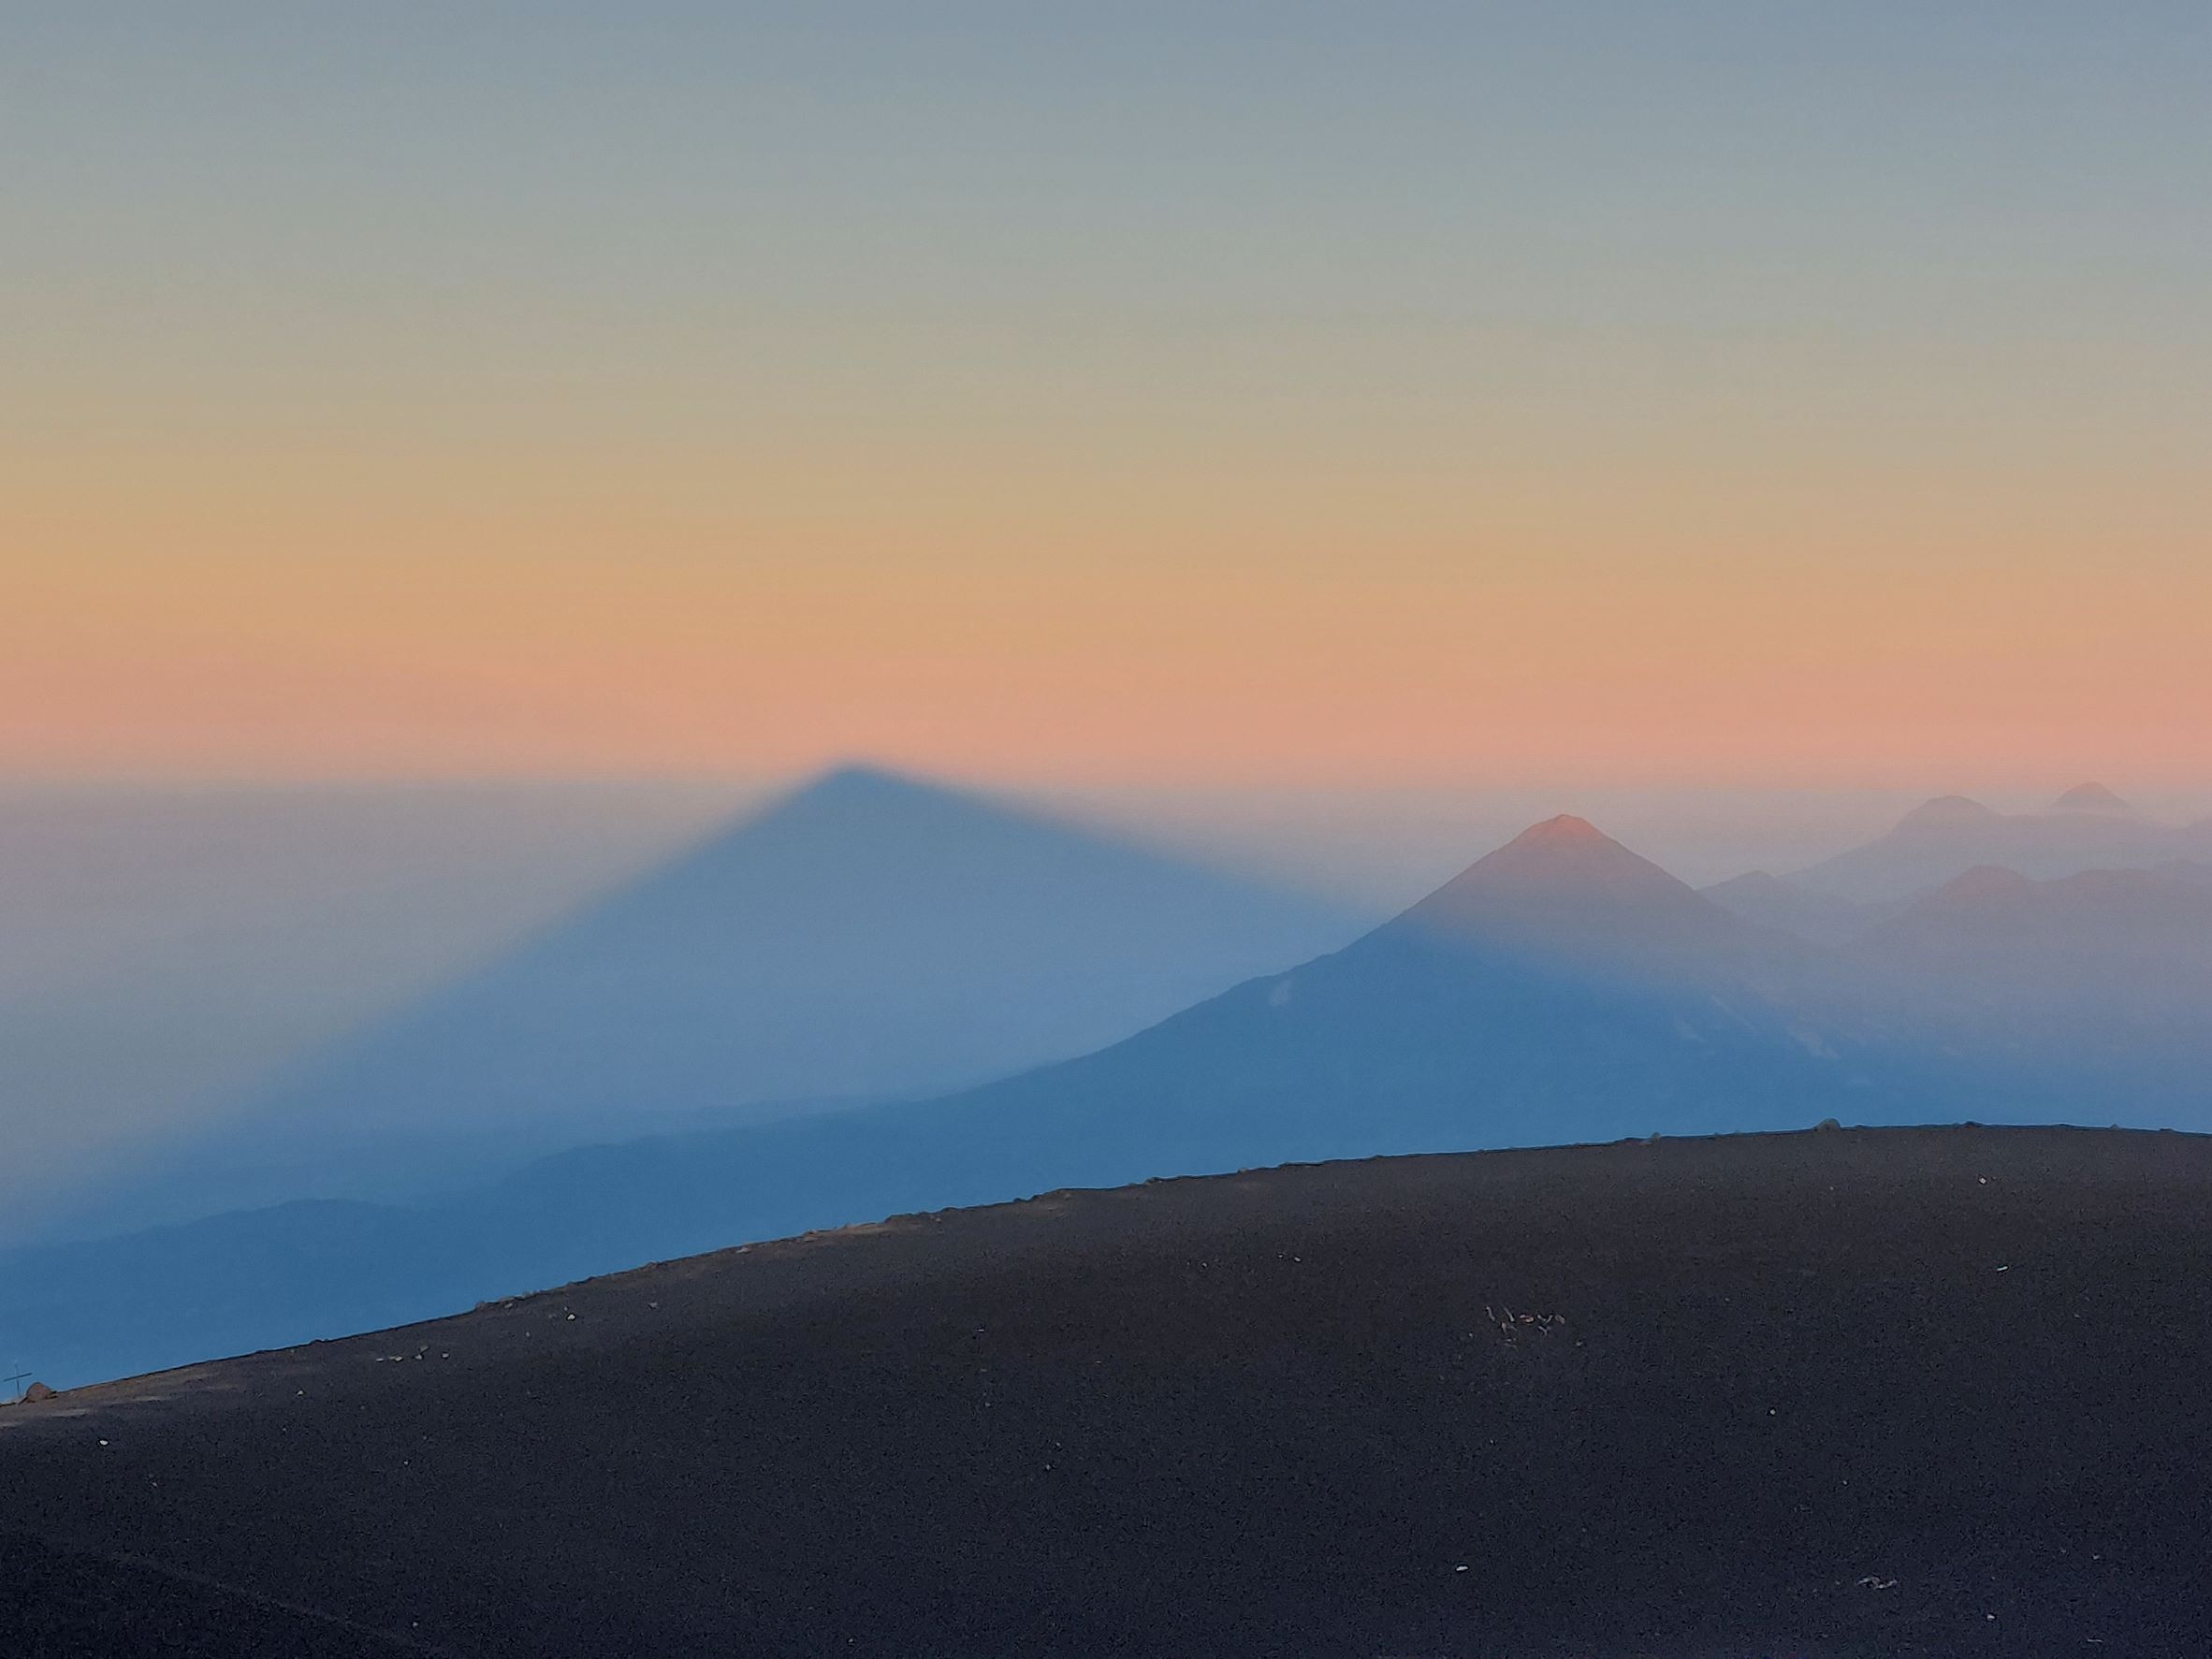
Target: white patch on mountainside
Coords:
[(1810, 1041)]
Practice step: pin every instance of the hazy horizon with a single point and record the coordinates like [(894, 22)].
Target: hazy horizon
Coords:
[(166, 952)]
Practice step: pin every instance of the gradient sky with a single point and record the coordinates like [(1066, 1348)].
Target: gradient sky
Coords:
[(1272, 393)]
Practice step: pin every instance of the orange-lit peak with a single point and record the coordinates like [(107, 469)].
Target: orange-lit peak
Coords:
[(1564, 831)]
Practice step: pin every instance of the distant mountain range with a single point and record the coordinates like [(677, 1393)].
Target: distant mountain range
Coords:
[(2088, 827), (868, 937), (1561, 989), (2100, 981)]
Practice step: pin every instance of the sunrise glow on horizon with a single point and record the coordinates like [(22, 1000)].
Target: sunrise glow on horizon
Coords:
[(1266, 398)]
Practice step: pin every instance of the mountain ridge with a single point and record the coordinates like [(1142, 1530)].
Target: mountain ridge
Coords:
[(1950, 835)]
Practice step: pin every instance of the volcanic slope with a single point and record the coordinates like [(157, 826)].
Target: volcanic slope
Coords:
[(1836, 1392)]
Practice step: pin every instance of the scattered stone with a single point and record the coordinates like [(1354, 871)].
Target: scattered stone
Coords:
[(1828, 1123), (38, 1391)]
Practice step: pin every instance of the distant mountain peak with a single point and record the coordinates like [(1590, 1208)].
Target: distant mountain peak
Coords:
[(1564, 852), (867, 934), (1566, 885), (1946, 811), (1565, 834), (1565, 830), (2090, 797)]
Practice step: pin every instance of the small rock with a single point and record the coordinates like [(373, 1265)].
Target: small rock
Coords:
[(38, 1391), (1828, 1123)]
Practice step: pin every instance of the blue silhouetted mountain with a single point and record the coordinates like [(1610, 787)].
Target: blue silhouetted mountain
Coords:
[(1561, 989), (2087, 829), (868, 937)]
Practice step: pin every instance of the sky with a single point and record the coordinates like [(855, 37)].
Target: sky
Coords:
[(1321, 397)]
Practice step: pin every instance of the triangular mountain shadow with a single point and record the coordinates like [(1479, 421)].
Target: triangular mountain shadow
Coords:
[(868, 935), (1566, 890)]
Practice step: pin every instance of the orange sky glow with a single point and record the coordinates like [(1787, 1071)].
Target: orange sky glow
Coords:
[(1126, 400), (304, 633)]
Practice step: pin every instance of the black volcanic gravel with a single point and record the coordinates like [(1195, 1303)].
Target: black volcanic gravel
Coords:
[(1843, 1393)]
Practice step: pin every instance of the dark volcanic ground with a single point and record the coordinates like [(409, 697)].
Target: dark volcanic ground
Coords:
[(1881, 1392)]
